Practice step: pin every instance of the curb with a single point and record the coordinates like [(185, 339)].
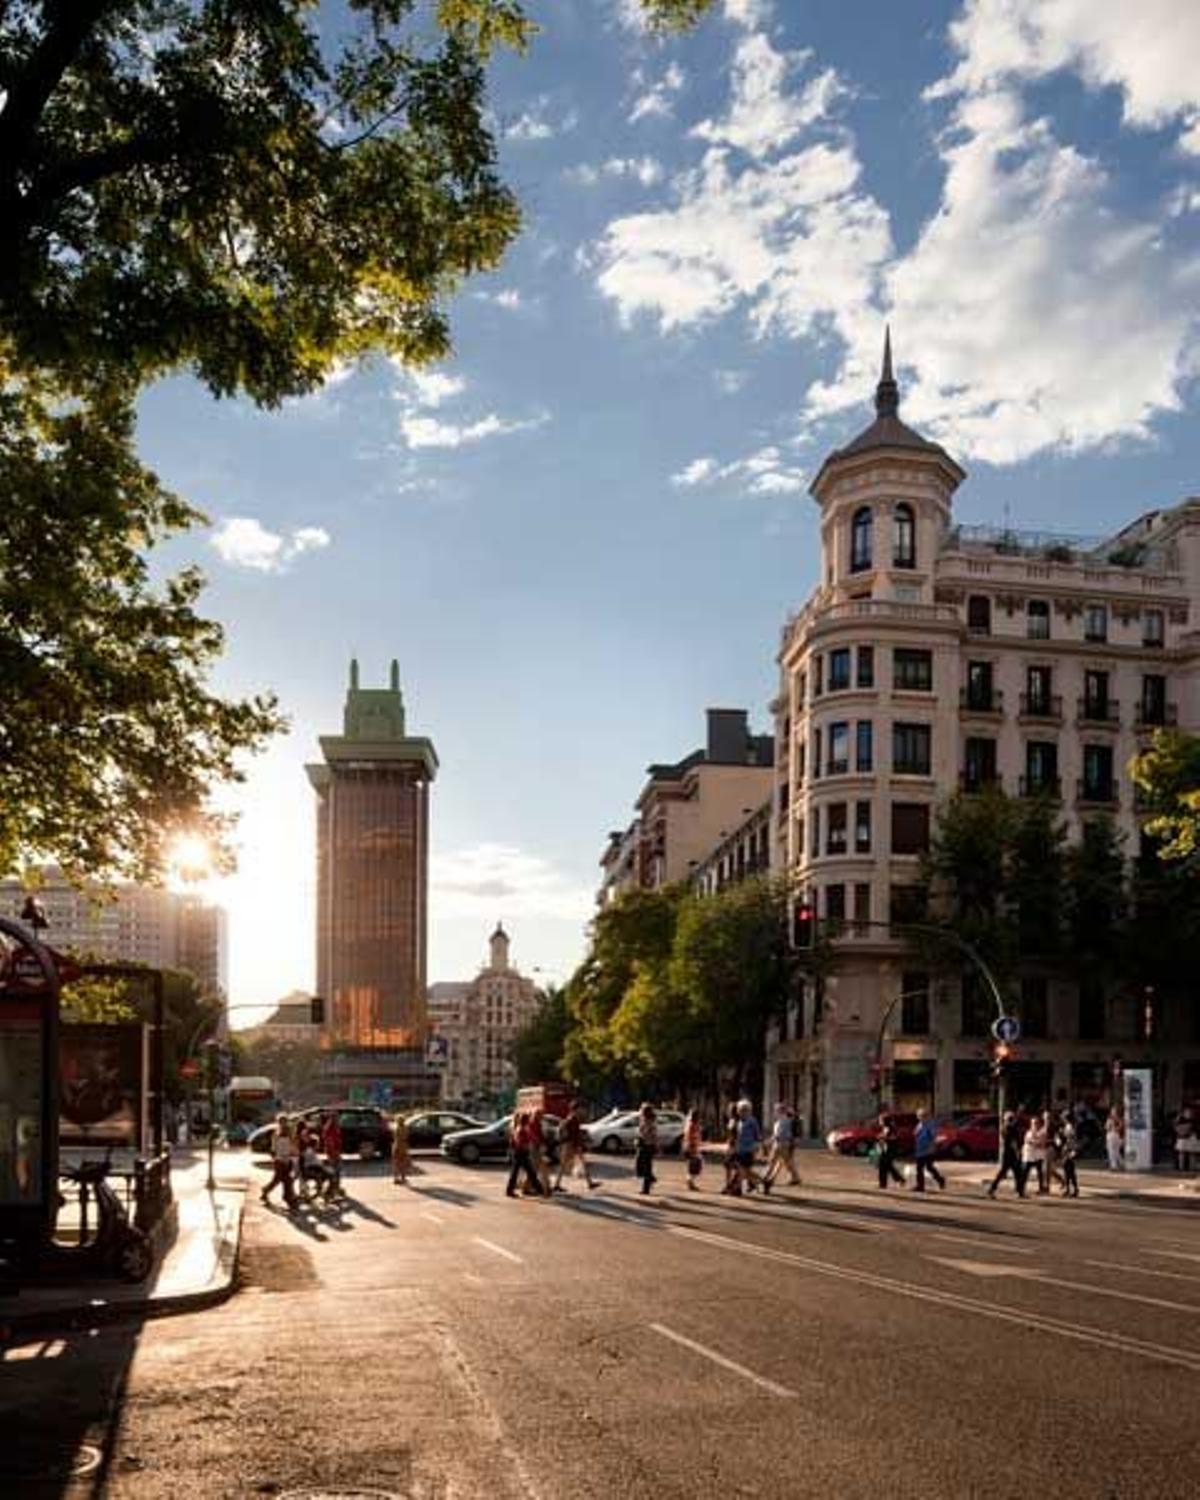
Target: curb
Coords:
[(95, 1314)]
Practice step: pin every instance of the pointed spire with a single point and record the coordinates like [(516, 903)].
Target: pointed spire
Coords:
[(887, 392), (354, 672), (395, 679)]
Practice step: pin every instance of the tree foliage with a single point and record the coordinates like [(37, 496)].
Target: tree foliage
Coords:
[(1168, 776), (538, 1048)]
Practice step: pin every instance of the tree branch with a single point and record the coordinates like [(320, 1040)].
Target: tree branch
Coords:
[(69, 23)]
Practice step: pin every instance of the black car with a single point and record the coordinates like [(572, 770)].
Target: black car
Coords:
[(488, 1142), (366, 1133), (429, 1128)]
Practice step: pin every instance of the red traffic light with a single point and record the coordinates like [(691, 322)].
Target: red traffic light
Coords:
[(804, 922)]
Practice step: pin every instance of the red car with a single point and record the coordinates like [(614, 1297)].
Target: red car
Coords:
[(969, 1137), (857, 1139)]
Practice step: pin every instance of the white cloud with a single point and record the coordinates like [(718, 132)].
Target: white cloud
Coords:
[(430, 387), (536, 123), (697, 472), (429, 432), (644, 169), (751, 14), (500, 880), (763, 114), (244, 542), (658, 101), (765, 472), (729, 382)]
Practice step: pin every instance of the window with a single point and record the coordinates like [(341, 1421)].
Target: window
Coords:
[(801, 759), (904, 537), (835, 828), (835, 906), (906, 903), (979, 614), (862, 908), (910, 827), (1154, 699), (860, 540), (910, 749), (1095, 623), (801, 690), (1152, 628), (1034, 1006), (979, 764), (816, 832), (914, 1004), (912, 670), (839, 749), (863, 745), (977, 1008), (1098, 773), (1091, 1010), (866, 666), (816, 753), (1095, 695), (800, 837), (1041, 767), (839, 669), (979, 686), (862, 828), (1037, 620), (784, 796), (1037, 690), (818, 671)]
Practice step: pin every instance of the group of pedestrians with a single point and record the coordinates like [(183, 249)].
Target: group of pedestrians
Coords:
[(1045, 1147), (305, 1156), (542, 1161)]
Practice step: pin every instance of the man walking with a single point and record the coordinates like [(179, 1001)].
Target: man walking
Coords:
[(520, 1139), (1010, 1156), (924, 1138), (282, 1165), (572, 1149), (746, 1143), (783, 1148), (331, 1144)]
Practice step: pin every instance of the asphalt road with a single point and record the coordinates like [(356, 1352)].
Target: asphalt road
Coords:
[(440, 1342)]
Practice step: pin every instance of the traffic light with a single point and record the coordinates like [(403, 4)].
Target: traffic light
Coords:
[(317, 1010), (1002, 1055), (804, 924), (875, 1083)]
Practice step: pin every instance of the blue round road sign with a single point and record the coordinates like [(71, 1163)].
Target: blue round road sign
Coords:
[(1006, 1028)]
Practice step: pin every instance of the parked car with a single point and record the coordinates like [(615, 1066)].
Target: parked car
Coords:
[(617, 1133), (429, 1127), (969, 1137), (366, 1133), (488, 1142), (858, 1138)]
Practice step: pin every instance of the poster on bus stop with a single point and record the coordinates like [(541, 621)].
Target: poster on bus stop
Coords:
[(1139, 1119), (101, 1085)]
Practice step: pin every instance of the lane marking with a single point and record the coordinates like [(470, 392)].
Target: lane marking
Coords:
[(433, 1218), (1178, 1255), (1112, 1265), (982, 1244), (497, 1249), (1043, 1278), (719, 1359)]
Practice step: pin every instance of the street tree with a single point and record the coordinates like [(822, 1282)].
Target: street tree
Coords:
[(537, 1050), (1168, 776), (1034, 876), (1096, 899), (967, 869)]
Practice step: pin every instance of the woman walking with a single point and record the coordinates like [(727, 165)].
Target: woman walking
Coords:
[(520, 1139), (1185, 1140), (401, 1164), (885, 1144), (1033, 1152), (1114, 1140), (647, 1145), (691, 1150), (1068, 1151)]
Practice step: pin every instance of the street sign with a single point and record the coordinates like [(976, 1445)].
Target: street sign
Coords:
[(437, 1051), (189, 1068), (1006, 1028)]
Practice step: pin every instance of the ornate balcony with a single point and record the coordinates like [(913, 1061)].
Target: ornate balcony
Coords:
[(1045, 709)]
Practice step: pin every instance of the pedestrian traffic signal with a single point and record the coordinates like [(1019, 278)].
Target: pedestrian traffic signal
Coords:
[(1002, 1055), (317, 1010), (804, 924)]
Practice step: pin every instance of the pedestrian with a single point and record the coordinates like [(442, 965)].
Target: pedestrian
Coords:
[(1114, 1139), (691, 1149), (331, 1144), (924, 1138), (1033, 1152), (539, 1149), (733, 1180), (519, 1139), (283, 1158), (572, 1151), (783, 1148), (401, 1161), (1068, 1153), (746, 1147), (1186, 1144), (1010, 1155), (647, 1146), (886, 1146)]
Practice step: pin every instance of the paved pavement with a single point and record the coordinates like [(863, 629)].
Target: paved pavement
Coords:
[(439, 1342)]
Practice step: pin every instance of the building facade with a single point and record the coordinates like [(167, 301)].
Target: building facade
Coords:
[(740, 854), (933, 656), (129, 924), (689, 807), (372, 791), (479, 1022)]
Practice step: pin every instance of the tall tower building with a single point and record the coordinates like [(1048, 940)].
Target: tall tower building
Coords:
[(373, 871)]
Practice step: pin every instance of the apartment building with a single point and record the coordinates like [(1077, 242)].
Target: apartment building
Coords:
[(479, 1021), (689, 807), (931, 656)]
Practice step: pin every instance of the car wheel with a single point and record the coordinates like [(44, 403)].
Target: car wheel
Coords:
[(611, 1144), (468, 1154), (863, 1148), (367, 1151), (958, 1151)]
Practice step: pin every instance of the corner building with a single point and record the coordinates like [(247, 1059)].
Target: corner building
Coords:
[(373, 872), (933, 656)]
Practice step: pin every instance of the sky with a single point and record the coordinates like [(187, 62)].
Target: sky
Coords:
[(589, 524)]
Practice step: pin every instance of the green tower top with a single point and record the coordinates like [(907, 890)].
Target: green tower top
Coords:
[(373, 732), (374, 714)]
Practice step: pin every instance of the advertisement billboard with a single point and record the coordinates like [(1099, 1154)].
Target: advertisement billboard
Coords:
[(101, 1085), (1139, 1119)]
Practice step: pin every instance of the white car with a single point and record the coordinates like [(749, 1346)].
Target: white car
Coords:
[(618, 1132)]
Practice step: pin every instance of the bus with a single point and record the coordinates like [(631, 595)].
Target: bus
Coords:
[(249, 1103)]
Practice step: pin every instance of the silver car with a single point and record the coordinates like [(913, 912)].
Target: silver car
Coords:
[(617, 1133)]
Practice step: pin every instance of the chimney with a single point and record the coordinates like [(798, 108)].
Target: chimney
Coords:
[(728, 736)]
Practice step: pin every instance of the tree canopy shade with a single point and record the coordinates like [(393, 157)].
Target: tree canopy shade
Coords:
[(250, 190)]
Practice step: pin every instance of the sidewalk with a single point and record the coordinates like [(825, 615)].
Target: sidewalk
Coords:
[(195, 1269)]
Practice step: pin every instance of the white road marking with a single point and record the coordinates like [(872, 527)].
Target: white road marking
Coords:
[(1112, 1265), (719, 1359), (983, 1243), (1178, 1255), (1028, 1273), (498, 1249), (433, 1218)]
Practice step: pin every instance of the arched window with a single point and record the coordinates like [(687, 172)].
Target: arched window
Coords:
[(860, 540), (904, 537)]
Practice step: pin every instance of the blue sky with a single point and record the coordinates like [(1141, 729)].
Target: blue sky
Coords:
[(589, 524)]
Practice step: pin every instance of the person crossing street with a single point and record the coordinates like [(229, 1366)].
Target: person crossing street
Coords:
[(923, 1148)]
